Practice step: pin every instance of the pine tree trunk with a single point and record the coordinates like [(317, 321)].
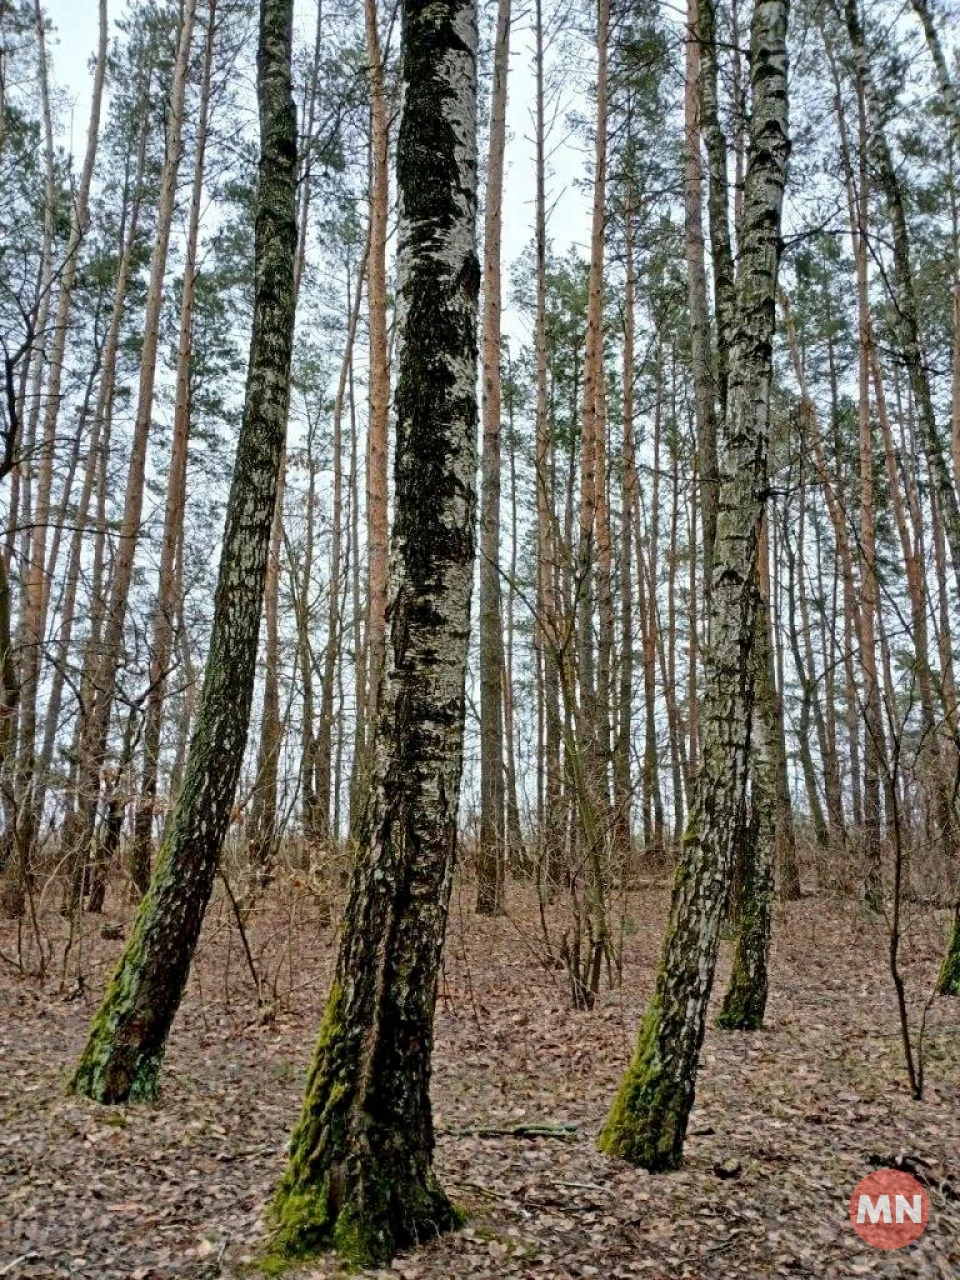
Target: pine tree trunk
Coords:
[(907, 314), (547, 628), (623, 796), (700, 345), (106, 661), (37, 587), (377, 425), (324, 744), (491, 850), (124, 1051), (360, 1177), (589, 570), (33, 518), (810, 436), (858, 197), (648, 1122), (911, 346), (647, 584), (165, 607), (129, 227), (305, 658)]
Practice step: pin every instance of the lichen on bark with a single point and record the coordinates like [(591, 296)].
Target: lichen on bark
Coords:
[(360, 1176), (746, 997), (648, 1121), (124, 1051)]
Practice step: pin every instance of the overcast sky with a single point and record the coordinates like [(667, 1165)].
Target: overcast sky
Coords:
[(74, 44)]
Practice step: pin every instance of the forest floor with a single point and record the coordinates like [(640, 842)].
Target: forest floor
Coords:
[(786, 1122)]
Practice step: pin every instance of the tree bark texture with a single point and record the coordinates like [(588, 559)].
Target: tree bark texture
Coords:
[(124, 1051), (360, 1176), (647, 1124)]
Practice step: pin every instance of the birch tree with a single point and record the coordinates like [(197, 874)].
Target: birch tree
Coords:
[(125, 1046), (648, 1121), (360, 1177)]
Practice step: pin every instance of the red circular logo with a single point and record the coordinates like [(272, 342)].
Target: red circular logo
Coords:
[(889, 1209)]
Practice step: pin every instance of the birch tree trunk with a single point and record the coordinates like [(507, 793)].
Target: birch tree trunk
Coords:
[(261, 825), (360, 1177), (648, 1122), (770, 835), (746, 997), (491, 851), (124, 1050)]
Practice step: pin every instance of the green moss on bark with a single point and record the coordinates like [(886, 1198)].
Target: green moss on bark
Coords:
[(746, 997), (118, 1064), (125, 1048), (306, 1222), (740, 1012), (648, 1119), (346, 1187)]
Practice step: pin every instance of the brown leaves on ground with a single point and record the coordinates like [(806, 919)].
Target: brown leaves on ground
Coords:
[(801, 1112)]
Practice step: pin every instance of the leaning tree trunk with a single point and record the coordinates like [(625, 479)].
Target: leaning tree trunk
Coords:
[(648, 1121), (124, 1051), (360, 1177)]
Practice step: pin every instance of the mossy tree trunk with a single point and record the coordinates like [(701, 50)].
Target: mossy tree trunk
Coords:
[(360, 1176), (125, 1047), (746, 997), (648, 1122)]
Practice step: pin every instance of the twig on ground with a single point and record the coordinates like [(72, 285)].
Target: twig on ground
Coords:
[(565, 1132)]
